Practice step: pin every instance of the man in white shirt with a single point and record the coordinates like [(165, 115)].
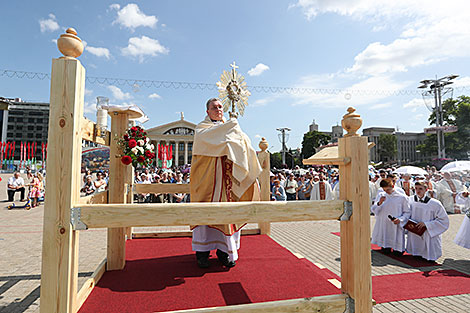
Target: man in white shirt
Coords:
[(291, 188), (430, 215), (15, 184)]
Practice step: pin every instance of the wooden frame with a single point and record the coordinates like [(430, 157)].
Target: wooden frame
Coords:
[(114, 209)]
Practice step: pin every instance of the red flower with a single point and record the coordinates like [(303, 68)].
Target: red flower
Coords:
[(132, 143), (126, 137), (141, 159), (133, 128), (148, 154), (126, 160)]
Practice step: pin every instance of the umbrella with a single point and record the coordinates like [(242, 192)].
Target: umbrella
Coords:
[(412, 170), (456, 166)]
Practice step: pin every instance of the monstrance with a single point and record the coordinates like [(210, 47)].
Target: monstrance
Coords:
[(233, 93)]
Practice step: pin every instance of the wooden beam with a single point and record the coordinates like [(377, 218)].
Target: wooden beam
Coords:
[(327, 161), (89, 284), (118, 173), (59, 271), (322, 304), (100, 197), (89, 131), (174, 234), (161, 188), (207, 213)]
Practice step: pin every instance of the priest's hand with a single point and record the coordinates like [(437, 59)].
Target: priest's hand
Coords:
[(382, 199), (396, 221), (420, 226), (465, 194)]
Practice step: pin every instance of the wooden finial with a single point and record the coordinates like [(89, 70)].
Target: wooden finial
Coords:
[(351, 122), (70, 44), (263, 144)]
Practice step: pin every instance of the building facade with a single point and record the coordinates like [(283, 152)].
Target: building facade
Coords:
[(406, 145), (178, 134), (335, 133), (23, 121)]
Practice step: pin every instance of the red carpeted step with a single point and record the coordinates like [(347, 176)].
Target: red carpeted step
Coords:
[(162, 275), (408, 286), (406, 258)]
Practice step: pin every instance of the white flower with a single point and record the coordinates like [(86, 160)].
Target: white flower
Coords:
[(140, 149), (140, 142), (134, 150), (147, 139), (152, 147)]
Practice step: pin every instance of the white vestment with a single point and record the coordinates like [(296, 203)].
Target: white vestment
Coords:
[(336, 192), (406, 186), (386, 234), (445, 194), (463, 235), (315, 194), (436, 220), (372, 192)]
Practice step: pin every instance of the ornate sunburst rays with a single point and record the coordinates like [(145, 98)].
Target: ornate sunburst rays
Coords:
[(233, 92)]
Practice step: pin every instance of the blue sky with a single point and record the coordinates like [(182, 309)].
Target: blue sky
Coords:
[(364, 49)]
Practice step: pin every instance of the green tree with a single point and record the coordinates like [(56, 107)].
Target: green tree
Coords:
[(276, 160), (456, 112), (387, 147), (312, 140)]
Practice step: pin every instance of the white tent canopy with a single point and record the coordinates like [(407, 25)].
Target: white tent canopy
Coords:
[(412, 170), (456, 166)]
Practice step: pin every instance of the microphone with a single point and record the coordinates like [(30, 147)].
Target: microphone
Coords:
[(392, 218)]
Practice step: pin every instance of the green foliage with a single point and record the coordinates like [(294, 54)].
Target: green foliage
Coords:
[(276, 160), (387, 147), (455, 112), (312, 140)]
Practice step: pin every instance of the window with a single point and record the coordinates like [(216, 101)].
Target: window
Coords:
[(39, 127), (31, 120), (38, 135), (30, 127), (10, 127), (19, 119)]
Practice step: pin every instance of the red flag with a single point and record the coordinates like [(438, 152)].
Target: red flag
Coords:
[(35, 147), (29, 151), (14, 147)]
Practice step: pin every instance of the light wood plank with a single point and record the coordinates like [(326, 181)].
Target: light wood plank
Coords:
[(88, 286), (265, 184), (207, 213), (100, 197), (326, 161), (116, 251), (188, 233), (331, 304), (88, 131), (161, 188), (59, 271)]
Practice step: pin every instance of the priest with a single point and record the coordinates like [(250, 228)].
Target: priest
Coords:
[(321, 190), (224, 169), (463, 235), (432, 217), (447, 190)]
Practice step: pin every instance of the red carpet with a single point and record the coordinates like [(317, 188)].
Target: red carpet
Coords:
[(406, 258), (398, 287), (162, 275)]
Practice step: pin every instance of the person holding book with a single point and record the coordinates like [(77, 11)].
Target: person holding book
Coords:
[(389, 234), (429, 215)]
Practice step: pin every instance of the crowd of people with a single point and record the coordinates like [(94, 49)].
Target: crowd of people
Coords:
[(35, 187), (411, 211)]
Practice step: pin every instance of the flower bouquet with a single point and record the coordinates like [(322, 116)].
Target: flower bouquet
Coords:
[(136, 147)]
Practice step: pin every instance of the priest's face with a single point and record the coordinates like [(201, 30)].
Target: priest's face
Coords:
[(215, 111)]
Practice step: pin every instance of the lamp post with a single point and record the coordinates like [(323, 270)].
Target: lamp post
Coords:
[(437, 88), (283, 138)]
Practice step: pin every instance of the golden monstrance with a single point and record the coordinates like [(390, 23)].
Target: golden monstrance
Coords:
[(233, 93)]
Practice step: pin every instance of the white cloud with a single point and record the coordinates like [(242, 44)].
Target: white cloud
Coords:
[(155, 96), (414, 103), (49, 24), (132, 17), (258, 69), (89, 108), (433, 31), (88, 92), (99, 52), (381, 106), (461, 82), (143, 46), (118, 94)]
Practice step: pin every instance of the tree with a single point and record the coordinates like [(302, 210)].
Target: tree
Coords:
[(312, 140), (455, 112), (387, 147)]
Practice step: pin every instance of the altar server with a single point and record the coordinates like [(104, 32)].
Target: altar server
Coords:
[(390, 234), (463, 235), (431, 216)]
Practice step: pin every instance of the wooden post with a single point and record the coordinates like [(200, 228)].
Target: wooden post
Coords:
[(355, 233), (59, 271), (118, 174), (264, 181)]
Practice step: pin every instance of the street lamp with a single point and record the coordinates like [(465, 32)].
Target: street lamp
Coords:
[(437, 88), (283, 138)]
